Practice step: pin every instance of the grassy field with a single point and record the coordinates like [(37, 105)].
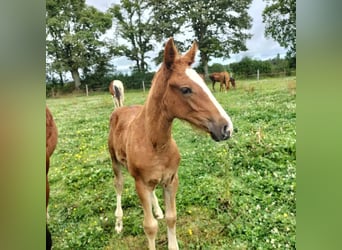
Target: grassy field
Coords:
[(236, 194)]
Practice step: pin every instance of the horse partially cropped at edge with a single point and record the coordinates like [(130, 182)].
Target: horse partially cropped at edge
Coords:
[(222, 77), (116, 89), (51, 142), (140, 137)]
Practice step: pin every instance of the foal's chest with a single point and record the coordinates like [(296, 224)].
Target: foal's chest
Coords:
[(152, 165)]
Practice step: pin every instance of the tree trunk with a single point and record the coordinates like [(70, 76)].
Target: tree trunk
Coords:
[(205, 66), (76, 78), (61, 81), (204, 61)]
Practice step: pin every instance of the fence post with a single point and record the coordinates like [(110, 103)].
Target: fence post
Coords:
[(87, 89), (143, 83), (258, 75)]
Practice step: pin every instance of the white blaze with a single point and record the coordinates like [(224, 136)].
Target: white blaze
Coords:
[(192, 74)]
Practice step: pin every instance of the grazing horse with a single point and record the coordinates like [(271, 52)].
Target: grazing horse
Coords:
[(140, 137), (116, 89), (222, 78), (232, 81), (51, 142)]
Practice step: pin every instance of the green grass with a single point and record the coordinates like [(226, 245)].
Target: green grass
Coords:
[(236, 194)]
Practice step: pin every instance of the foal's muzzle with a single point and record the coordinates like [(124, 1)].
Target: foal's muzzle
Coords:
[(219, 132)]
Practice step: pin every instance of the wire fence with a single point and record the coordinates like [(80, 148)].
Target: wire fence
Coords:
[(259, 76), (86, 89)]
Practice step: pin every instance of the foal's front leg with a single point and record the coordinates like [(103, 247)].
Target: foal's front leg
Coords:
[(145, 194), (171, 213)]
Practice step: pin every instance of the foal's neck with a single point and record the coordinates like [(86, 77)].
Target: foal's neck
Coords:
[(158, 122)]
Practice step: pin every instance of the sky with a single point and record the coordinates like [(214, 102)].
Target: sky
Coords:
[(259, 47)]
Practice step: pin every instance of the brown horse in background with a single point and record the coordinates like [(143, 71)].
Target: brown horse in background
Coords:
[(140, 137), (221, 77), (51, 142)]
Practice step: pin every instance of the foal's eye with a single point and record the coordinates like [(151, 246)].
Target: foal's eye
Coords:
[(185, 90)]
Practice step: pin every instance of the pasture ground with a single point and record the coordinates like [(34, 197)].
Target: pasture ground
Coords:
[(236, 194)]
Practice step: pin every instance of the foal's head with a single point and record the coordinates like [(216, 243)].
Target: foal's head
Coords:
[(187, 97)]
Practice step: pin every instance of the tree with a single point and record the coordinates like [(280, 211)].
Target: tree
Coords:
[(217, 67), (73, 32), (248, 67), (100, 74), (219, 26), (135, 27), (279, 17)]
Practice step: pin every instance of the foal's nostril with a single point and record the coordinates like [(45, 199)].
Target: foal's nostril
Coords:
[(225, 132), (228, 134)]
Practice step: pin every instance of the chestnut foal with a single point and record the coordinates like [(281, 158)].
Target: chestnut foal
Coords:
[(140, 137), (51, 142)]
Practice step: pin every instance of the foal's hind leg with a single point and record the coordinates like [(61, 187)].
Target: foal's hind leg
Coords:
[(156, 208), (118, 183)]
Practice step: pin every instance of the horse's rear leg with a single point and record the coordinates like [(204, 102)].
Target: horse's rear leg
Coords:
[(156, 208), (118, 184)]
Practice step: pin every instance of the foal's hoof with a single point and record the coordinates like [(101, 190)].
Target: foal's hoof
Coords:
[(118, 227), (159, 216)]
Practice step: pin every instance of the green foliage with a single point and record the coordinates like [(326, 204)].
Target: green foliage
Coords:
[(134, 81), (219, 26), (248, 67), (280, 19), (217, 67), (236, 194), (135, 27), (73, 32), (99, 76)]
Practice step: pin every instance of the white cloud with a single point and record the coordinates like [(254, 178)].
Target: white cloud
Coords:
[(259, 47)]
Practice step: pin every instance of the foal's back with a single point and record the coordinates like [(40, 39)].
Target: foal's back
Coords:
[(120, 121)]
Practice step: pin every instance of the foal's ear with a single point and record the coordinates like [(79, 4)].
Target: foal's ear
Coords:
[(170, 53), (190, 55)]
